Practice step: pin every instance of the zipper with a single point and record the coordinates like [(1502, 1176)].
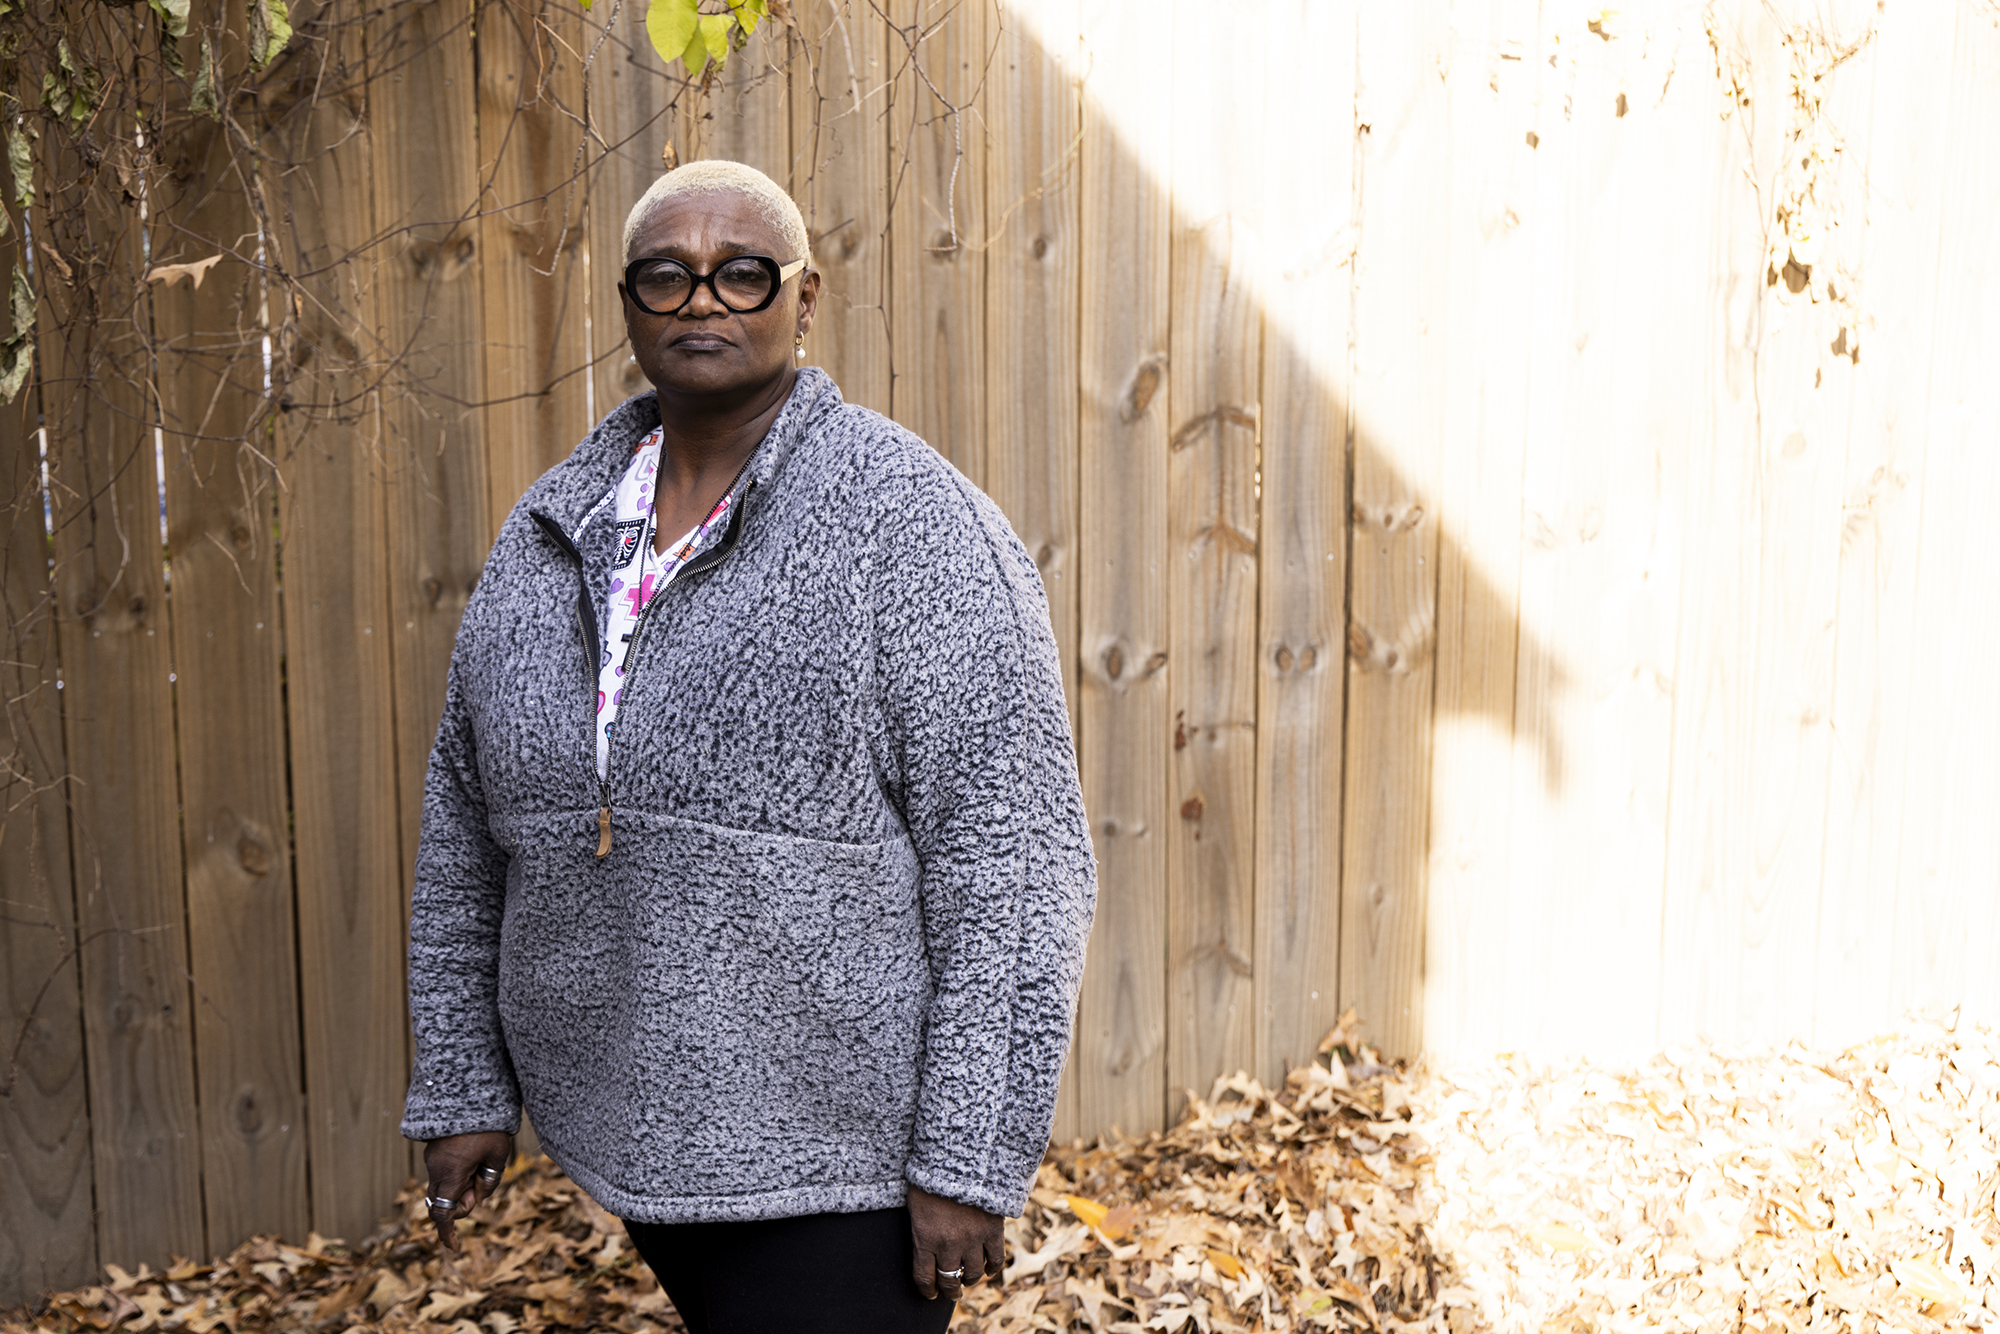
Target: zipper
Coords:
[(586, 616)]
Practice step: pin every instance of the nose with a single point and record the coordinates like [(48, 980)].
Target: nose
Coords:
[(702, 302)]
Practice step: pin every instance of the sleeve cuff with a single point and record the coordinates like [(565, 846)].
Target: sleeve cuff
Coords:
[(440, 1127), (1005, 1199)]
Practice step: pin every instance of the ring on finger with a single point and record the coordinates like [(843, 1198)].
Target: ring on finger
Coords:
[(489, 1174), (439, 1202), (955, 1275)]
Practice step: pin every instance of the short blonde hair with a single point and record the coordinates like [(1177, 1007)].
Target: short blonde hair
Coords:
[(717, 176)]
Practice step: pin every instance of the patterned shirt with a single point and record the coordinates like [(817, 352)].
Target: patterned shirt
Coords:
[(637, 576)]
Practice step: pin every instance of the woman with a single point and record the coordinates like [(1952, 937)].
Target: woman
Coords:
[(777, 936)]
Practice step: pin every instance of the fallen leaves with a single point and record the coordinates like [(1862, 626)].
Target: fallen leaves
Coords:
[(1790, 1190), (1795, 1191), (541, 1257)]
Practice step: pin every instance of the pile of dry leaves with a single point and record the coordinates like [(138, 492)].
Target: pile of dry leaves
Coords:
[(1785, 1190), (1775, 1190)]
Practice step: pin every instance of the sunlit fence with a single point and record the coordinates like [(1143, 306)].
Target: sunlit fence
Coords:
[(1514, 486)]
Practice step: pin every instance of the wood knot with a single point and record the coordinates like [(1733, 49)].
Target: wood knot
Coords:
[(1192, 808), (1039, 247), (433, 590), (1284, 659), (239, 533), (249, 1115), (253, 857), (1145, 385), (1114, 662)]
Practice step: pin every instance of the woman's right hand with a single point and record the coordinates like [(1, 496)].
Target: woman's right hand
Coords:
[(465, 1171)]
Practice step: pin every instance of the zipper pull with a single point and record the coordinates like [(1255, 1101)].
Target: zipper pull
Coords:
[(604, 819)]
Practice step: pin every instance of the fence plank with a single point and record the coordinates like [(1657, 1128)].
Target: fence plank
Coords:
[(938, 56), (1946, 928), (1031, 322), (1905, 138), (1215, 351), (340, 689), (1796, 524), (46, 1237), (1308, 85), (1494, 84), (1399, 312), (840, 151), (1598, 550), (228, 652), (745, 113), (427, 311), (118, 728), (531, 229), (1122, 710), (632, 105), (1731, 894), (1032, 261)]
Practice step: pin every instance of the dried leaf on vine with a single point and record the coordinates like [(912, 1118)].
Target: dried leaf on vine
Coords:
[(203, 98), (173, 16), (194, 271), (21, 163), (17, 353), (270, 31)]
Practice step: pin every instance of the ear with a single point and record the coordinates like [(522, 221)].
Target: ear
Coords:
[(808, 298)]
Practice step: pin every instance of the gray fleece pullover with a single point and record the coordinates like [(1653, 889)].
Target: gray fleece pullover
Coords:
[(834, 945)]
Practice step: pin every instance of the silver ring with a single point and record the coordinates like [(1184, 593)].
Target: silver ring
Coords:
[(437, 1202), (489, 1174), (958, 1273)]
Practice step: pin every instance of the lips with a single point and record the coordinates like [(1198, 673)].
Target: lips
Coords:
[(700, 341)]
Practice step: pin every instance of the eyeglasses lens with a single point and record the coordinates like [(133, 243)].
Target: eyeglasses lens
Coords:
[(663, 286), (741, 284)]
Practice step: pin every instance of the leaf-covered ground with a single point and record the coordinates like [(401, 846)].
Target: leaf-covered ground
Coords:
[(1797, 1191)]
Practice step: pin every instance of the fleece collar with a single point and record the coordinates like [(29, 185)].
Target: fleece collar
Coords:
[(580, 490)]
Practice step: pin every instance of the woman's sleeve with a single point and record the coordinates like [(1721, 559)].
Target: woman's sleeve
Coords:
[(976, 752), (463, 1079)]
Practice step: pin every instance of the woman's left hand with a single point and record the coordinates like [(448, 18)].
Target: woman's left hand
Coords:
[(949, 1237)]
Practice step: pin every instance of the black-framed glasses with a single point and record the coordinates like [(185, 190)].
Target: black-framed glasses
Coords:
[(744, 284)]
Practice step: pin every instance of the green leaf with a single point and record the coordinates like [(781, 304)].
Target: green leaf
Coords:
[(715, 35), (671, 24), (173, 16), (270, 31), (203, 98), (73, 96), (695, 57), (749, 13), (21, 163)]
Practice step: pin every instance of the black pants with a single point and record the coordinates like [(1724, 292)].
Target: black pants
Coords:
[(825, 1273)]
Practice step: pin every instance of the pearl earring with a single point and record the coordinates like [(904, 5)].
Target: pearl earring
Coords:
[(799, 346)]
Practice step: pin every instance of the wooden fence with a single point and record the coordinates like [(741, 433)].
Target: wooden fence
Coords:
[(1512, 481)]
